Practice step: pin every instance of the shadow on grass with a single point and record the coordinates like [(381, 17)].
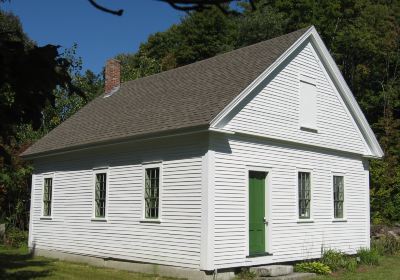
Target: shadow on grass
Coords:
[(15, 264)]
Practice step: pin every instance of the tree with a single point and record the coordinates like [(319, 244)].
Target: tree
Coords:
[(28, 77), (36, 94)]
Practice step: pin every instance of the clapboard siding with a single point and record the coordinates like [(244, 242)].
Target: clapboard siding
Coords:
[(175, 241), (289, 239), (273, 112)]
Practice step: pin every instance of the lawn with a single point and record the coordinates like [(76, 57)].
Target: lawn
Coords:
[(18, 264), (389, 269)]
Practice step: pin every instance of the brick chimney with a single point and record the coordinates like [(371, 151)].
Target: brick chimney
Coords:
[(112, 76)]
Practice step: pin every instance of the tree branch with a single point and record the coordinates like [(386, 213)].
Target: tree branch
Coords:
[(182, 5), (201, 5), (106, 10)]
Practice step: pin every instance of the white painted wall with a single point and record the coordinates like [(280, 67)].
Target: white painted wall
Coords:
[(175, 241), (289, 240), (274, 110), (269, 136)]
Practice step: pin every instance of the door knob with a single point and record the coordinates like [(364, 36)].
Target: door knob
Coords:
[(265, 221)]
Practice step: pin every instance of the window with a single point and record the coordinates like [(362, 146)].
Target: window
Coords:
[(308, 105), (304, 184), (100, 195), (47, 194), (338, 196), (152, 192)]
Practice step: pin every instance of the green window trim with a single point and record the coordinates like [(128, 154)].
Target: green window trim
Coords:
[(152, 193), (304, 189), (47, 196), (100, 195), (338, 196)]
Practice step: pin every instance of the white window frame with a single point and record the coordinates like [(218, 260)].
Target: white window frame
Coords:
[(311, 81), (148, 165), (344, 219), (96, 171), (44, 177), (311, 218)]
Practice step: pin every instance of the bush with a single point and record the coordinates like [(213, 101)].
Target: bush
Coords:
[(337, 260), (350, 263), (386, 245), (314, 267), (334, 259), (368, 256), (15, 237)]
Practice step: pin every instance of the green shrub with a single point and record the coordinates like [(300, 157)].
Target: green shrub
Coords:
[(15, 237), (334, 259), (314, 267), (337, 260), (368, 256), (350, 264), (386, 245), (245, 274)]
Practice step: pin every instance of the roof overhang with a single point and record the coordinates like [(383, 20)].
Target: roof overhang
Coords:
[(117, 141)]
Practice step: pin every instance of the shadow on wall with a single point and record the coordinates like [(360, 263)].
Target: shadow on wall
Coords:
[(20, 264)]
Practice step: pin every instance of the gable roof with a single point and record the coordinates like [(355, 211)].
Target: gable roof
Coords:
[(193, 97), (182, 98)]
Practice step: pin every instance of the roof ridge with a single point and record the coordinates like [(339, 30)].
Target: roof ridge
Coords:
[(218, 55)]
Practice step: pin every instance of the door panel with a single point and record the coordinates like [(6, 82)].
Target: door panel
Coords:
[(256, 212)]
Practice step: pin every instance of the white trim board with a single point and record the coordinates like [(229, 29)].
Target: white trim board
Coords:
[(374, 149)]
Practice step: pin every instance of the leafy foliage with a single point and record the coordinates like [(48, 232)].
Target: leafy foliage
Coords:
[(29, 75), (15, 237), (313, 267), (386, 245), (368, 256), (337, 260), (35, 96)]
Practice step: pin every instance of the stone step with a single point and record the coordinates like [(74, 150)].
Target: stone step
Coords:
[(272, 270), (291, 276)]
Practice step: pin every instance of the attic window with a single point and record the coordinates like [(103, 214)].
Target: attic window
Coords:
[(308, 104)]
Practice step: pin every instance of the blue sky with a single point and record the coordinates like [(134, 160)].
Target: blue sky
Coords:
[(99, 35)]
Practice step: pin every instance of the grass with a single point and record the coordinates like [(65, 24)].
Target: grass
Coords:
[(19, 264), (388, 269)]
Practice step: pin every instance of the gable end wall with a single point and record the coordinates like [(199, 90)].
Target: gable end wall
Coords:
[(272, 110)]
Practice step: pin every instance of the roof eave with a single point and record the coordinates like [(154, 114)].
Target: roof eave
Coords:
[(116, 141)]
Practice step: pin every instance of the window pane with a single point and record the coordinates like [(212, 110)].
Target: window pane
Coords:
[(47, 192), (100, 195), (152, 182), (304, 185), (338, 196)]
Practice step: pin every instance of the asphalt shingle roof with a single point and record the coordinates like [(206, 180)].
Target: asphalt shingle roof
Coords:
[(185, 97)]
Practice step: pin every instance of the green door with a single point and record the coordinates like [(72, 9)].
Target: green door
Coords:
[(256, 212)]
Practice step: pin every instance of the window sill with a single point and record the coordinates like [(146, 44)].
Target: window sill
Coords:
[(309, 129), (343, 220), (305, 221), (46, 218), (259, 255), (99, 220), (150, 221)]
